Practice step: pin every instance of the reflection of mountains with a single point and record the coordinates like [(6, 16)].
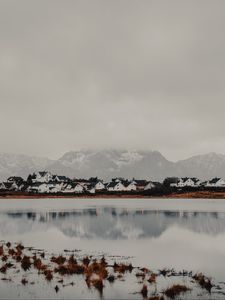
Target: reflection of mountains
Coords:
[(112, 223)]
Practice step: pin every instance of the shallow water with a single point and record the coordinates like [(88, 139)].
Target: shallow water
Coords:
[(157, 233)]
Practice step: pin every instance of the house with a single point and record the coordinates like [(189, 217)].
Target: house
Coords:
[(17, 179), (9, 186), (149, 186), (55, 187), (96, 183), (58, 178), (186, 182), (90, 188), (115, 186), (2, 186), (215, 182), (140, 184), (40, 177), (73, 188), (129, 185), (38, 187)]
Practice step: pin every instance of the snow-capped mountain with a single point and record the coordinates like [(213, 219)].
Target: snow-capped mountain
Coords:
[(111, 163)]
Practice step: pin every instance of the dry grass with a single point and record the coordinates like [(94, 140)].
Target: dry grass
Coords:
[(156, 298), (144, 291), (175, 290), (122, 268), (152, 278), (1, 250), (26, 263), (59, 260), (203, 281)]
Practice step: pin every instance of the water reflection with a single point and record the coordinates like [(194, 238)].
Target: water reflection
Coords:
[(111, 222)]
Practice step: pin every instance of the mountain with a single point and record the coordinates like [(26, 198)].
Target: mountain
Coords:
[(203, 166), (111, 163)]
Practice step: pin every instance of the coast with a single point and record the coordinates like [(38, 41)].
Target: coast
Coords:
[(181, 195)]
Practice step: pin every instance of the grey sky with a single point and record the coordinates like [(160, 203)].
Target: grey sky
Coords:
[(112, 74)]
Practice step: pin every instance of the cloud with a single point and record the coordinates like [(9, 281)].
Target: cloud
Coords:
[(144, 75)]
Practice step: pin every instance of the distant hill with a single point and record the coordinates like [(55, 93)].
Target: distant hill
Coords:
[(111, 163)]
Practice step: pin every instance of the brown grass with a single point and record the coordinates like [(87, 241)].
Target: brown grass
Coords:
[(48, 275), (175, 290), (3, 269), (152, 278), (26, 263), (203, 281), (156, 298), (24, 281), (98, 284), (59, 260), (122, 268), (144, 291)]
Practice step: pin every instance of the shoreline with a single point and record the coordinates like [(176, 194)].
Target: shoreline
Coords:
[(184, 195)]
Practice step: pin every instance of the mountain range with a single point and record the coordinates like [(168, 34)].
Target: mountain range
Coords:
[(107, 164)]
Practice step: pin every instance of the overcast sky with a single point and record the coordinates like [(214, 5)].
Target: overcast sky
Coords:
[(146, 75)]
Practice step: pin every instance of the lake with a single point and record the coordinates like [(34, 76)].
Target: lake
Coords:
[(184, 234)]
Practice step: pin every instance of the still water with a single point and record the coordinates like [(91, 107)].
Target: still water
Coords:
[(157, 233)]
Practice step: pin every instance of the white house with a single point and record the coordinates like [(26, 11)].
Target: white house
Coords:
[(130, 186), (99, 185), (186, 182), (215, 182), (73, 188), (59, 178), (9, 186), (116, 187), (55, 187), (38, 187), (150, 185), (140, 184), (90, 188), (41, 177)]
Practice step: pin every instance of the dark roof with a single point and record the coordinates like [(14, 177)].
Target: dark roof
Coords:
[(140, 181), (61, 178), (214, 180), (8, 185), (113, 184), (43, 173), (15, 178)]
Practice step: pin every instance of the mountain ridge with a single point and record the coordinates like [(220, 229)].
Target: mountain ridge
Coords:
[(112, 163)]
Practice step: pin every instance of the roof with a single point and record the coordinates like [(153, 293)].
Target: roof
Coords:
[(8, 185), (140, 181), (43, 173), (113, 184), (15, 178), (214, 180), (61, 178)]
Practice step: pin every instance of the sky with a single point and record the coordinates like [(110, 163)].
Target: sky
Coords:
[(144, 75)]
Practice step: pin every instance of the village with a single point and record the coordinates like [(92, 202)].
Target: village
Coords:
[(44, 182)]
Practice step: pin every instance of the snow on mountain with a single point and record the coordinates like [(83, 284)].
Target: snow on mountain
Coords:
[(111, 163)]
